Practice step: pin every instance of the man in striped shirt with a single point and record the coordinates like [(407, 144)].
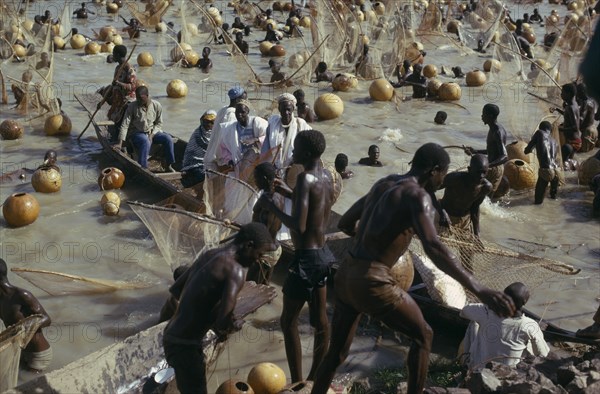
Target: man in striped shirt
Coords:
[(192, 172)]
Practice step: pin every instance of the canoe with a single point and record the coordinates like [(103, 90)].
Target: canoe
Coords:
[(128, 365), (168, 182)]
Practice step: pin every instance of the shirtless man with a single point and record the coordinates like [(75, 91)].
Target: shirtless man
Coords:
[(373, 159), (396, 208), (303, 108), (546, 149), (571, 116), (241, 44), (205, 64), (49, 162), (464, 193), (495, 145), (207, 294), (312, 200), (417, 81), (322, 74), (44, 61), (264, 177), (341, 164), (82, 13), (15, 305)]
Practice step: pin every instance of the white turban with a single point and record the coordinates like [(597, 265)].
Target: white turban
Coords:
[(286, 97)]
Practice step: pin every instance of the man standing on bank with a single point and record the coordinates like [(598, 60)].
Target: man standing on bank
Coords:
[(312, 199), (207, 294), (396, 208)]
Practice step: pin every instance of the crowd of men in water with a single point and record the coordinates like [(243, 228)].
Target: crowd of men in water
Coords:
[(382, 222)]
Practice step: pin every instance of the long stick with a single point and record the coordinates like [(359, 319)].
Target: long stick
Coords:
[(4, 95), (107, 92)]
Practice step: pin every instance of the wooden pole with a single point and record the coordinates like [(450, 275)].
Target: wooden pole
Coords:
[(107, 92)]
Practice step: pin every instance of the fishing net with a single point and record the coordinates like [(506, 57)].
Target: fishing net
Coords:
[(152, 14), (58, 283), (12, 340), (497, 267), (180, 235), (481, 24)]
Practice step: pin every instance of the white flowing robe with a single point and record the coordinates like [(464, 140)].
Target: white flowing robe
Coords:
[(277, 136), (239, 199), (225, 115)]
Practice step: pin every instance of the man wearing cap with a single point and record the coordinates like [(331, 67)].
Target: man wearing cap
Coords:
[(142, 126), (192, 172), (123, 87), (225, 115)]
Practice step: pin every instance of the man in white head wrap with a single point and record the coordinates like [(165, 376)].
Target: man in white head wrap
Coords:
[(282, 131), (279, 143)]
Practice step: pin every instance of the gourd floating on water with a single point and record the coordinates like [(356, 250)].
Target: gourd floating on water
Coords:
[(111, 178), (11, 130), (381, 90), (46, 180), (328, 106), (20, 209)]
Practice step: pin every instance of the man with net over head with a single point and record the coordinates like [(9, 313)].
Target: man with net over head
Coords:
[(396, 208)]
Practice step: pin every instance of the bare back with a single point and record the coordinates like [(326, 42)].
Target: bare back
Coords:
[(312, 200), (207, 284), (386, 226)]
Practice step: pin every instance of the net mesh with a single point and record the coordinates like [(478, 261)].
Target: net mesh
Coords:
[(12, 340), (497, 267), (58, 283)]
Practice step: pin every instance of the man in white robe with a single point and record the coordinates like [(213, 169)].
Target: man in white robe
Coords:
[(224, 115), (279, 143), (241, 142)]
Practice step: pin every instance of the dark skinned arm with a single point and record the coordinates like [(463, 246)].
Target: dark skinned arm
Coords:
[(225, 323), (421, 211), (348, 221), (485, 190), (531, 143), (34, 306), (298, 222)]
